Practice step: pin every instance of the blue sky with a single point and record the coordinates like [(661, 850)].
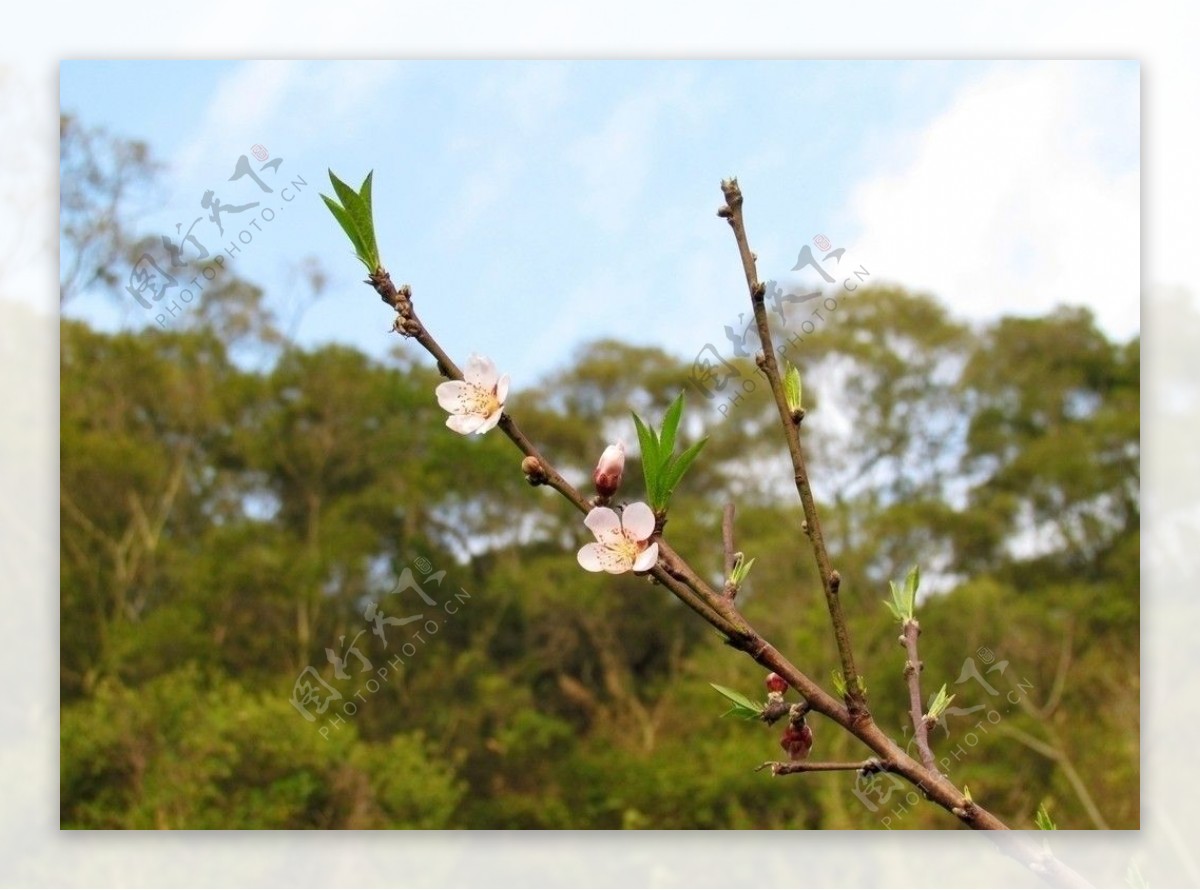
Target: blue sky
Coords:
[(536, 205)]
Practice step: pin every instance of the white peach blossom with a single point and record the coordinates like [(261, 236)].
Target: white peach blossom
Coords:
[(476, 402), (620, 540)]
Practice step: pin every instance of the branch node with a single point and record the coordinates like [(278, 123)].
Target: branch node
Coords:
[(535, 473), (774, 711)]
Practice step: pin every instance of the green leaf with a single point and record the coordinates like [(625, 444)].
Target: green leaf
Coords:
[(673, 473), (940, 703), (1043, 820), (662, 469), (742, 706), (904, 599), (670, 427), (792, 389), (355, 217), (898, 605), (913, 578), (741, 569), (344, 221), (650, 465), (911, 582), (897, 599), (839, 683), (742, 712), (369, 231), (348, 196)]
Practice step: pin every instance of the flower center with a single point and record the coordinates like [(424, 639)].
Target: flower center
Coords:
[(481, 401), (628, 548)]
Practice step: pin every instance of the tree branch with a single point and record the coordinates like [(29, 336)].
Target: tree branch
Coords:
[(671, 572), (675, 574), (912, 673), (830, 580), (731, 588)]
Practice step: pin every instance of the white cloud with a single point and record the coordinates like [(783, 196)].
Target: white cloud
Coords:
[(531, 92), (526, 97), (248, 96), (615, 160), (285, 103), (1022, 195)]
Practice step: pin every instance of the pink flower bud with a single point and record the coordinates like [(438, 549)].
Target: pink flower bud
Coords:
[(776, 683), (608, 472), (797, 741)]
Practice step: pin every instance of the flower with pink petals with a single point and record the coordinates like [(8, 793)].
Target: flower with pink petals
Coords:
[(476, 402), (620, 540), (607, 475)]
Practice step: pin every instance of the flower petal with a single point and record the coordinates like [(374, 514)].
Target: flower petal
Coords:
[(489, 422), (604, 524), (638, 521), (647, 559), (452, 394), (465, 423), (502, 389), (589, 557), (481, 371), (598, 558)]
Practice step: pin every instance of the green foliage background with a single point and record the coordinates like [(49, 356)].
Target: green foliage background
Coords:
[(225, 522)]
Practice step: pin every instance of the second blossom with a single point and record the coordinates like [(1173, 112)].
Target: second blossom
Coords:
[(621, 540)]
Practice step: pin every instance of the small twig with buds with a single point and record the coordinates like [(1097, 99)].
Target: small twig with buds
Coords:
[(912, 672), (732, 213), (864, 767), (737, 567)]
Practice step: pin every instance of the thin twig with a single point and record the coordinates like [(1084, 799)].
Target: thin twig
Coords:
[(912, 673), (830, 580), (785, 768), (1060, 675), (731, 588), (727, 537)]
